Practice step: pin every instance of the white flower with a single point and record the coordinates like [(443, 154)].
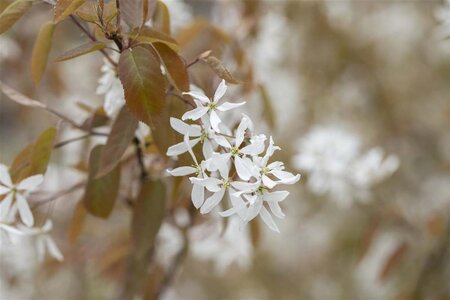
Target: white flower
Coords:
[(6, 224), (206, 106), (43, 241), (15, 194), (9, 49), (337, 167), (110, 86)]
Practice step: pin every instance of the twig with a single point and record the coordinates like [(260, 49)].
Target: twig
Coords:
[(72, 122), (60, 194), (78, 138), (92, 38), (181, 98), (140, 158)]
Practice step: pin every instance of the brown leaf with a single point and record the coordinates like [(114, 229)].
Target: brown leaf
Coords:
[(393, 260), (131, 12), (161, 18), (140, 73), (20, 98), (220, 70), (65, 8), (101, 193), (122, 133), (13, 13), (174, 66), (77, 222), (41, 51), (81, 50), (35, 157), (148, 35)]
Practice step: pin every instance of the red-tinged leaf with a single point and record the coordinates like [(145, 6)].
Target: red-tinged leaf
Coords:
[(140, 73), (217, 66), (20, 98), (161, 18), (148, 35), (101, 193), (174, 66), (122, 133), (65, 8), (13, 13), (393, 260), (97, 119), (82, 50), (148, 215), (41, 51), (35, 157), (131, 12), (77, 222)]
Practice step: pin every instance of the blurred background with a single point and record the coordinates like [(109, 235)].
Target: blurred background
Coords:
[(356, 93)]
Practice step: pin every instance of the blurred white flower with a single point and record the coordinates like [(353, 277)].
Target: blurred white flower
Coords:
[(15, 194), (9, 49), (337, 167), (43, 241), (110, 86), (209, 242)]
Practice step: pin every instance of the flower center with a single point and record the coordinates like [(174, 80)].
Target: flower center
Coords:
[(198, 169), (226, 184), (234, 151), (203, 136), (261, 190), (212, 106)]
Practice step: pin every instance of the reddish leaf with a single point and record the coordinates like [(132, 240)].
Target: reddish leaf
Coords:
[(140, 74), (41, 51), (174, 66), (65, 8), (82, 50), (161, 18), (148, 35), (77, 222), (131, 12)]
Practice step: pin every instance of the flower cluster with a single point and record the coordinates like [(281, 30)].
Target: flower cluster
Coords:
[(337, 166), (15, 203), (235, 163)]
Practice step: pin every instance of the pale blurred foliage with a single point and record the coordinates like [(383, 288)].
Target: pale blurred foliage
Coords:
[(374, 67)]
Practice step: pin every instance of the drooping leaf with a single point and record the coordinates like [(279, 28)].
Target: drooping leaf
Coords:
[(161, 18), (174, 66), (148, 35), (41, 50), (131, 12), (65, 8), (122, 133), (77, 222), (140, 73), (20, 98), (268, 110), (34, 158), (81, 50), (97, 118), (393, 260), (101, 193), (148, 215), (13, 13), (220, 70)]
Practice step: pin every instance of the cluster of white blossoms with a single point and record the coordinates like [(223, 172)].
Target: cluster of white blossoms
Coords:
[(235, 163), (14, 203), (337, 166)]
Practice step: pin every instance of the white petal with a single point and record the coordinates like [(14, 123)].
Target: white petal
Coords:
[(286, 177), (5, 179), (212, 184), (240, 131), (182, 147), (24, 210), (207, 149), (53, 249), (222, 141), (212, 202), (245, 186), (4, 190), (227, 213), (276, 209), (30, 183), (238, 204), (40, 249), (195, 114), (243, 168), (215, 121), (10, 229), (183, 128), (228, 105), (267, 218), (253, 210), (268, 182), (5, 206), (276, 196), (220, 91), (47, 226), (198, 96), (182, 171), (198, 195)]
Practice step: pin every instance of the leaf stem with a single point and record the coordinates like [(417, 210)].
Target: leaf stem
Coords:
[(140, 159)]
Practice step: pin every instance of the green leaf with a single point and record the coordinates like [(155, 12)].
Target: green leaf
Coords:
[(217, 66), (148, 215), (35, 157), (82, 50), (140, 73), (148, 35), (161, 19), (101, 193), (174, 66), (13, 13), (65, 8), (41, 49), (122, 133)]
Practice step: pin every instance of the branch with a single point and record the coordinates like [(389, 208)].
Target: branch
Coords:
[(140, 159)]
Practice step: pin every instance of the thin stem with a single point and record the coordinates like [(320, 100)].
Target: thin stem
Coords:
[(60, 194), (92, 38), (72, 122), (181, 98), (193, 62), (140, 159), (78, 138)]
